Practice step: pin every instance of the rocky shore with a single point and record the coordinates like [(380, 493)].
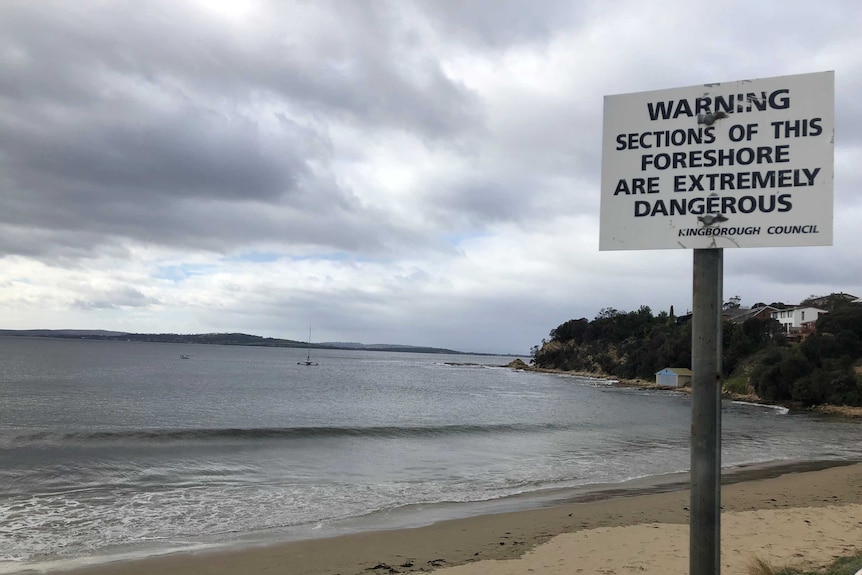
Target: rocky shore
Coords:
[(826, 409)]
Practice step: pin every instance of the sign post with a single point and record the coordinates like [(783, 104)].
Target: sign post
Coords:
[(739, 164), (705, 503)]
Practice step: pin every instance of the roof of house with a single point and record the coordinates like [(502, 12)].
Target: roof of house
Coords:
[(741, 314), (817, 309), (677, 370), (735, 312), (826, 299)]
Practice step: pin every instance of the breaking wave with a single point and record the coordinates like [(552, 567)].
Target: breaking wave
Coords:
[(35, 439)]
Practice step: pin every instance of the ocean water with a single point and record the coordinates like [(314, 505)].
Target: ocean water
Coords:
[(116, 449)]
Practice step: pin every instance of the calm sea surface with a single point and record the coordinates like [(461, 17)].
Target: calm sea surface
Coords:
[(121, 449)]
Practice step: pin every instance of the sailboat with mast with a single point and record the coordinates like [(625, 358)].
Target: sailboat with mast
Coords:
[(308, 351)]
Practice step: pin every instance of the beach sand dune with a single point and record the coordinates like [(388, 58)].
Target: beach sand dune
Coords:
[(809, 538), (791, 516)]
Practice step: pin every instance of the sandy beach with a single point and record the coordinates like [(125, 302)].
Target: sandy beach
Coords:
[(797, 515)]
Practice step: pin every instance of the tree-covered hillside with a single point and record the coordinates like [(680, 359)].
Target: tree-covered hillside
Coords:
[(822, 368), (622, 344)]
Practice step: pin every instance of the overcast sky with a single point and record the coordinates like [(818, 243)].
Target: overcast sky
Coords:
[(422, 173)]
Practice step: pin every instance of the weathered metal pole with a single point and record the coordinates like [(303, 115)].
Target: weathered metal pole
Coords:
[(705, 508)]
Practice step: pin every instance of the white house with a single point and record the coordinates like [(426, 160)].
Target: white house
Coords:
[(793, 319), (673, 377)]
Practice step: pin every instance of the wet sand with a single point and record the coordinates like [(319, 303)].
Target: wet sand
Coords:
[(810, 513)]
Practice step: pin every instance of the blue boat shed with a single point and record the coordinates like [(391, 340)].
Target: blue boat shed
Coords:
[(673, 377)]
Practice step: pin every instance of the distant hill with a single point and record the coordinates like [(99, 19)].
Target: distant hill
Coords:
[(214, 338), (62, 332), (385, 347)]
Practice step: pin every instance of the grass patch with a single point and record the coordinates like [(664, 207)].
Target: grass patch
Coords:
[(736, 384), (849, 565)]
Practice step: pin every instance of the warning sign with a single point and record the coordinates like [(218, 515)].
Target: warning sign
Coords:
[(739, 164)]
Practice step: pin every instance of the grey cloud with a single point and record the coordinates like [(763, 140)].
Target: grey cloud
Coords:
[(503, 23), (129, 182), (117, 116), (58, 247), (816, 266), (162, 123), (187, 153), (351, 59), (115, 298)]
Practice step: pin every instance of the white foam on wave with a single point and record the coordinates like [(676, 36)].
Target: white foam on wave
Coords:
[(777, 408), (8, 567), (597, 381)]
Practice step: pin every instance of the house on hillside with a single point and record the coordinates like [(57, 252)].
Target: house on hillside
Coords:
[(683, 319), (673, 377), (830, 300), (793, 319)]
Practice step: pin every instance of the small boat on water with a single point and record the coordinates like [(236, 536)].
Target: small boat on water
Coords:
[(184, 356), (308, 354)]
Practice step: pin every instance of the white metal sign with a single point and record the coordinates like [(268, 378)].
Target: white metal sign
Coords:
[(739, 164)]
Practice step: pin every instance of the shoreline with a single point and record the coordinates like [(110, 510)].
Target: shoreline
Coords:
[(507, 535), (845, 411)]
